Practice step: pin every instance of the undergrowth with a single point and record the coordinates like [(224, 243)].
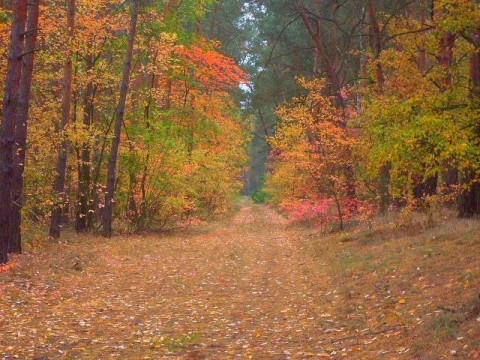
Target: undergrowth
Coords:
[(409, 270)]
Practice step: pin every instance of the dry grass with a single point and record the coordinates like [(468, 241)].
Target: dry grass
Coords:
[(423, 278), (250, 287)]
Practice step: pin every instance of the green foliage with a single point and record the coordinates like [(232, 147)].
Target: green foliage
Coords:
[(174, 344), (446, 325), (4, 16), (416, 128), (260, 196), (272, 47)]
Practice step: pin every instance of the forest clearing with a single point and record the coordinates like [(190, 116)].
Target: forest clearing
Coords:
[(251, 287)]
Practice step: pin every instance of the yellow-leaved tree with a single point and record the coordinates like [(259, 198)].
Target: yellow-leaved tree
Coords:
[(311, 154)]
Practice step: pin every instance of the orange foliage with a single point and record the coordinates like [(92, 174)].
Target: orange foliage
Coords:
[(7, 267), (210, 68), (311, 150)]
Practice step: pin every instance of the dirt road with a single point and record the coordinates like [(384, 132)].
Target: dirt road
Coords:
[(239, 289)]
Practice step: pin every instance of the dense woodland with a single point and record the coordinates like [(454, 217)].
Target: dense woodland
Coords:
[(150, 113)]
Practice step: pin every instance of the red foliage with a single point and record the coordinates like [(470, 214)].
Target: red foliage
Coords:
[(210, 68), (317, 211), (6, 267)]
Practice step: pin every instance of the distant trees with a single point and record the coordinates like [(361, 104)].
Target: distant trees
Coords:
[(402, 73), (270, 45)]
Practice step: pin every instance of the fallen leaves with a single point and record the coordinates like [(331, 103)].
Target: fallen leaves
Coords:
[(7, 267), (224, 293)]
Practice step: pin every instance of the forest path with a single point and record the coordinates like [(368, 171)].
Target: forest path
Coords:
[(239, 289)]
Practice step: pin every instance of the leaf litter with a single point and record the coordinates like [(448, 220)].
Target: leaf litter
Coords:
[(252, 287)]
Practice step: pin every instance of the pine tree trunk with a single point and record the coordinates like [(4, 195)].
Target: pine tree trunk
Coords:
[(59, 182), (7, 128), (319, 51), (5, 4), (21, 126), (422, 54), (376, 45), (445, 58), (112, 161), (469, 196)]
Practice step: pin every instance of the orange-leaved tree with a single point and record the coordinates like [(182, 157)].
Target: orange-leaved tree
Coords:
[(311, 150)]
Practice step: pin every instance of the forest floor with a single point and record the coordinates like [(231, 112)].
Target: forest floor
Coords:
[(251, 287)]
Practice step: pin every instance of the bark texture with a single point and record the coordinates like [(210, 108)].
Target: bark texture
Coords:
[(7, 128), (112, 161), (59, 182), (22, 126)]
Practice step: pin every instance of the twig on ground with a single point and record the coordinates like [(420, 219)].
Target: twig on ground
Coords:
[(369, 333)]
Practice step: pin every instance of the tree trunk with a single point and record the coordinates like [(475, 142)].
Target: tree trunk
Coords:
[(59, 182), (7, 129), (376, 45), (319, 51), (112, 161), (144, 209), (21, 126), (84, 211), (5, 4), (339, 212), (449, 176), (469, 196), (424, 187), (143, 205), (422, 54)]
